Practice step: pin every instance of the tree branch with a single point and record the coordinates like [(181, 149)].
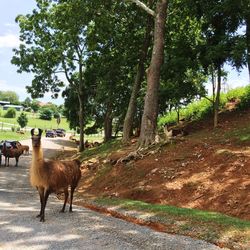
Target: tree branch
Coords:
[(143, 6)]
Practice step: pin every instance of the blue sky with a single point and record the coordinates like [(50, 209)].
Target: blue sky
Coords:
[(9, 33), (9, 39)]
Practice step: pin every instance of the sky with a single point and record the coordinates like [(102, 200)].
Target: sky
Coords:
[(9, 39)]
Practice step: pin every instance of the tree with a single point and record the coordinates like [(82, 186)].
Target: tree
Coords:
[(27, 102), (150, 111), (58, 47), (22, 120), (129, 118), (218, 26), (9, 96), (35, 105)]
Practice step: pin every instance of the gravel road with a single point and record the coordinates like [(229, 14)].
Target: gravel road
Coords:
[(82, 229)]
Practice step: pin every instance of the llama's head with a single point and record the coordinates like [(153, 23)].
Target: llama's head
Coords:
[(36, 137)]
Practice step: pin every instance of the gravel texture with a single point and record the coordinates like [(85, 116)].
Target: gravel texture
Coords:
[(82, 229)]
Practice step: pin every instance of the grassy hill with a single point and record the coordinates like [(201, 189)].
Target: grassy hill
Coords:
[(196, 185)]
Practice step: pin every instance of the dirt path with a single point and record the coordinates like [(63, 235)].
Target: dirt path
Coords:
[(83, 229)]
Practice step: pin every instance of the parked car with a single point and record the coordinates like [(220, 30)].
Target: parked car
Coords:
[(60, 132), (50, 133)]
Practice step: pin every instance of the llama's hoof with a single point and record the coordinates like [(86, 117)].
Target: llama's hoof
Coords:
[(38, 216), (71, 211), (61, 211), (42, 220)]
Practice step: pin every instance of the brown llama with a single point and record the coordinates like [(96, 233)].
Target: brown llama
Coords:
[(26, 149), (52, 176), (12, 152)]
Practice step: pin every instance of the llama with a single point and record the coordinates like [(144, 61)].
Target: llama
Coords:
[(52, 176), (11, 152), (26, 149)]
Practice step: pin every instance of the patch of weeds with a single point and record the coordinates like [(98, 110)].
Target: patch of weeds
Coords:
[(102, 150), (210, 235), (104, 170), (240, 135), (210, 226)]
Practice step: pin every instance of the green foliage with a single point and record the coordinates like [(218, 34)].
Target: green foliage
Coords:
[(203, 108), (22, 120), (10, 113), (46, 114), (9, 96), (34, 105), (245, 99)]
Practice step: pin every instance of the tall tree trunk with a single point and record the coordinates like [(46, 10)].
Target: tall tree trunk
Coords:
[(129, 118), (81, 108), (217, 98), (108, 123), (248, 43), (150, 113)]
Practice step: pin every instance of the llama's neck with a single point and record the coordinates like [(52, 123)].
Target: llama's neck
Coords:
[(37, 156), (36, 170)]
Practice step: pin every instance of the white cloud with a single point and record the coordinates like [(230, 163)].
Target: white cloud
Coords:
[(10, 24), (5, 86), (9, 41)]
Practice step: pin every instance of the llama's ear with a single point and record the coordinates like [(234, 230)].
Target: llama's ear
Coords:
[(40, 132), (32, 131)]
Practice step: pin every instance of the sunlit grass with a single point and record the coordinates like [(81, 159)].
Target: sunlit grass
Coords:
[(210, 226)]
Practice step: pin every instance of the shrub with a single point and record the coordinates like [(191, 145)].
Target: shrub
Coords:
[(46, 114), (245, 99), (10, 113), (22, 120)]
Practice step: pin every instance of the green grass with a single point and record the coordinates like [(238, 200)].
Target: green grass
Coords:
[(200, 109), (102, 150), (240, 135), (193, 214), (34, 121), (9, 135), (210, 226)]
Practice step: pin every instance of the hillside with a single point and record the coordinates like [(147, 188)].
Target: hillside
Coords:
[(208, 170)]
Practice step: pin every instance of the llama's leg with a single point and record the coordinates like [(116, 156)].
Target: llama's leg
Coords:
[(41, 194), (46, 196), (66, 195), (16, 161), (71, 198)]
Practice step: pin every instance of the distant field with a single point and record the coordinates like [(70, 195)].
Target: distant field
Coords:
[(34, 121), (9, 135)]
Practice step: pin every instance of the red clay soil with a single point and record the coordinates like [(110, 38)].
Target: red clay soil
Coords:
[(209, 170)]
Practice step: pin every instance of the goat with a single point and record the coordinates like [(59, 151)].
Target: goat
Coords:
[(14, 151), (51, 176)]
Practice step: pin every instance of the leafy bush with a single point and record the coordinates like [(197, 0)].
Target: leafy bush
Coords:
[(200, 109), (236, 93), (245, 99), (46, 114), (10, 113), (22, 120)]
